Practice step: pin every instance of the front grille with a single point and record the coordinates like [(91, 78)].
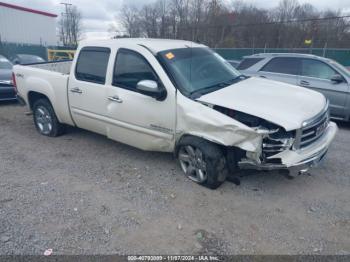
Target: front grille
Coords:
[(314, 129)]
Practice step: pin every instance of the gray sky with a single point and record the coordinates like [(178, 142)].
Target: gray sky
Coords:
[(99, 15)]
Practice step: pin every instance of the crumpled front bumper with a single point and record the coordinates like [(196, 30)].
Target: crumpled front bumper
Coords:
[(297, 160)]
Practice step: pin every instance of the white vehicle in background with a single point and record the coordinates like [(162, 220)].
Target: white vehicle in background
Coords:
[(314, 72), (179, 96)]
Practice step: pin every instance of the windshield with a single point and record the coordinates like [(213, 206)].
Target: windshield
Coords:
[(5, 64), (196, 69)]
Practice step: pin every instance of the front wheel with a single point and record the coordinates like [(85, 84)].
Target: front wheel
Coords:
[(202, 161), (45, 119)]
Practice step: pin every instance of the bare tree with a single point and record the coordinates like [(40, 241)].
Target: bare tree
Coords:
[(130, 17), (220, 24), (70, 28)]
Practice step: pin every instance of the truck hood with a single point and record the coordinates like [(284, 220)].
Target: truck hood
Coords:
[(280, 103)]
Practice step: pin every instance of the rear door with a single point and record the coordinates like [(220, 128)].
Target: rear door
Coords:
[(246, 66), (316, 75), (87, 90), (284, 69), (134, 118)]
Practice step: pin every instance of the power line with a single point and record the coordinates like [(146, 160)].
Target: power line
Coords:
[(272, 22)]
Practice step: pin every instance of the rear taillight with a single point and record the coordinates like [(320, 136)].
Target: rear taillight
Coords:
[(14, 82)]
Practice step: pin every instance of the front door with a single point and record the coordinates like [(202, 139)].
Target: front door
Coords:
[(317, 75), (283, 69), (137, 119)]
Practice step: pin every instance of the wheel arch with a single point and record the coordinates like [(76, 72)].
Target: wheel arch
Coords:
[(34, 96), (232, 153), (178, 141)]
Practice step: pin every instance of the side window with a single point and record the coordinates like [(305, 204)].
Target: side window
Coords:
[(283, 65), (318, 69), (130, 68), (248, 62), (92, 64)]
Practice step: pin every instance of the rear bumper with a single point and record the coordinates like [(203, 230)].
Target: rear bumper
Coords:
[(7, 93), (298, 160)]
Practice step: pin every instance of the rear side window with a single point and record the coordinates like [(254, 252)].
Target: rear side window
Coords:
[(318, 69), (248, 62), (131, 68), (283, 65), (92, 64)]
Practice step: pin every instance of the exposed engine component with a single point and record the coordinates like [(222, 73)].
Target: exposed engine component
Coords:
[(275, 138)]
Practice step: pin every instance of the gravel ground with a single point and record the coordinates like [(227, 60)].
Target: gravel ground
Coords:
[(84, 194)]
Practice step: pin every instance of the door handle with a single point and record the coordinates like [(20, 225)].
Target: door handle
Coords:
[(76, 90), (115, 99), (262, 76), (304, 83)]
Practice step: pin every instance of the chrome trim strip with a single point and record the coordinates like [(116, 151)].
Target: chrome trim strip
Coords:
[(320, 117), (315, 118)]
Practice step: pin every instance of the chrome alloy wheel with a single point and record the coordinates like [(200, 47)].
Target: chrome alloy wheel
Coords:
[(193, 164), (43, 120)]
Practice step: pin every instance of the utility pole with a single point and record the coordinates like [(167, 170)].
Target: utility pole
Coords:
[(67, 23), (66, 5)]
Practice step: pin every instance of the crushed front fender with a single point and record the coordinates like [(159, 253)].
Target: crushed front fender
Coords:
[(197, 119)]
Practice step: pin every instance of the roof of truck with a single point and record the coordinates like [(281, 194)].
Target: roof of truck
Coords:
[(154, 45)]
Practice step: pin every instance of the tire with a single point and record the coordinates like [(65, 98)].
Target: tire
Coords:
[(45, 119), (202, 161), (233, 155)]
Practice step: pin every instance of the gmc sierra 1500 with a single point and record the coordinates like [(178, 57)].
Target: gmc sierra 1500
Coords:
[(179, 96)]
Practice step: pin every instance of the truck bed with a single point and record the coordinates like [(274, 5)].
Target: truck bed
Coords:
[(62, 67), (50, 79)]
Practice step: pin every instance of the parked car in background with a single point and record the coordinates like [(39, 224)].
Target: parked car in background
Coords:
[(318, 73), (234, 63), (181, 97), (7, 91), (23, 59)]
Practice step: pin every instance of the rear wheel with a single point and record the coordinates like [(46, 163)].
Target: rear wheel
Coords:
[(45, 119), (202, 161)]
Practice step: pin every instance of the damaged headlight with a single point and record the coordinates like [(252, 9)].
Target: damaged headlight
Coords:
[(275, 138), (277, 141)]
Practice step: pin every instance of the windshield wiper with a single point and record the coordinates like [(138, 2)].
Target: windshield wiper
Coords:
[(212, 88)]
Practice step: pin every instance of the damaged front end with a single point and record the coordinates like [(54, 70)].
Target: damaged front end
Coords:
[(274, 139), (255, 143), (296, 150)]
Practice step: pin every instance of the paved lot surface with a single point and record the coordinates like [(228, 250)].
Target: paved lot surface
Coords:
[(84, 194)]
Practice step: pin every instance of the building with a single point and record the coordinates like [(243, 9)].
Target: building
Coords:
[(23, 25)]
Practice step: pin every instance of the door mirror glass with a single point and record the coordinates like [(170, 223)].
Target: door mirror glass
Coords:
[(150, 88), (337, 79)]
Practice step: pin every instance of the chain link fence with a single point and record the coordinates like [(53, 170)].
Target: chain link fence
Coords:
[(340, 55)]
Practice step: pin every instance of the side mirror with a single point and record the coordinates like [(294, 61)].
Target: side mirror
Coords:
[(337, 79), (151, 88)]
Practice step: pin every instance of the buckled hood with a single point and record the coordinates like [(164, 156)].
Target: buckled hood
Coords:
[(280, 103)]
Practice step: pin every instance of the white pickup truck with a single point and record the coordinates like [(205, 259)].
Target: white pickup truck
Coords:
[(181, 97)]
